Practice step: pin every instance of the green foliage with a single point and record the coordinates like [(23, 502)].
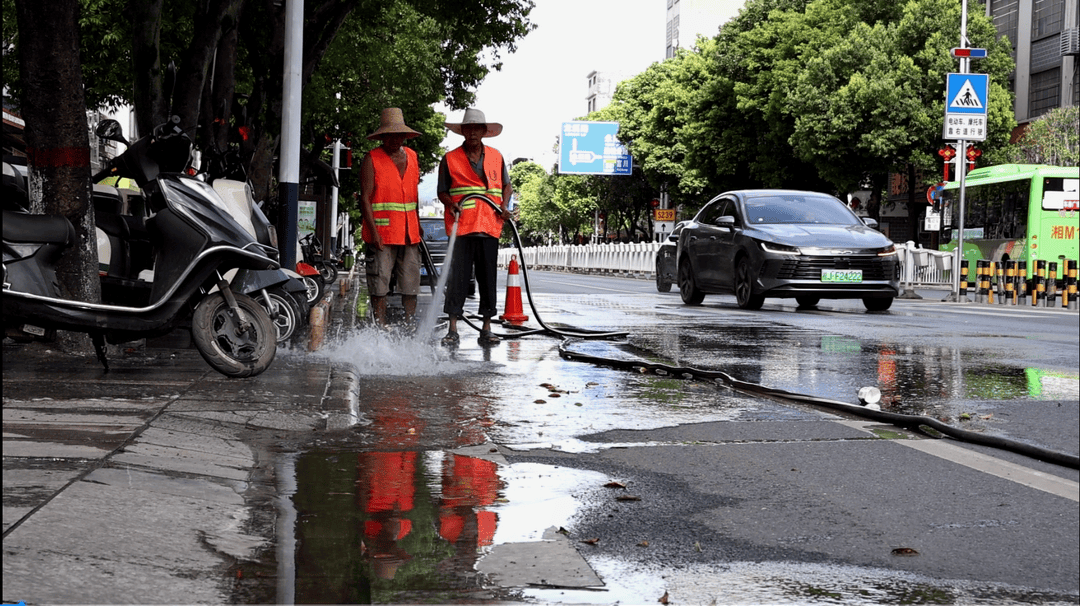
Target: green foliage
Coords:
[(1053, 138)]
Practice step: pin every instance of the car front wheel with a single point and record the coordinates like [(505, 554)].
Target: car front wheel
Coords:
[(877, 304), (688, 289), (744, 286), (662, 285)]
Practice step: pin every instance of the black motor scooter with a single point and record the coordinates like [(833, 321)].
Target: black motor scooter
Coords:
[(195, 241)]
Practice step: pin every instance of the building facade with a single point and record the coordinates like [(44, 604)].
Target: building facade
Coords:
[(687, 19), (1045, 36)]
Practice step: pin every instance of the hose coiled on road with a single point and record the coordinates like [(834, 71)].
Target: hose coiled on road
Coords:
[(911, 422)]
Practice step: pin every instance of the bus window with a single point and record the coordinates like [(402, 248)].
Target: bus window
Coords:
[(997, 211), (1060, 194)]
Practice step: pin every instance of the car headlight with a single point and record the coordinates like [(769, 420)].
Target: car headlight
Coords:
[(782, 249), (887, 251)]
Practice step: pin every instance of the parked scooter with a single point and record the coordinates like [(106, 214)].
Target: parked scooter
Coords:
[(282, 292), (311, 248), (195, 242)]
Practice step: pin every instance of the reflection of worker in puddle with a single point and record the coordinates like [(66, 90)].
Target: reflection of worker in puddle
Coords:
[(468, 484), (386, 495)]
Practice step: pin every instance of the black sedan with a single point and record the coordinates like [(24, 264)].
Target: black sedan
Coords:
[(786, 244)]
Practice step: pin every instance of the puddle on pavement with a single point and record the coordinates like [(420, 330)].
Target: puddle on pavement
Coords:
[(783, 583), (913, 379), (409, 526)]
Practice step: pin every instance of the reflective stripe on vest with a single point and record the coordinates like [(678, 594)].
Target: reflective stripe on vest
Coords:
[(394, 199), (475, 218)]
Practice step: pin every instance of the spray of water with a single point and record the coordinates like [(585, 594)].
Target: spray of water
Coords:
[(373, 351), (427, 323)]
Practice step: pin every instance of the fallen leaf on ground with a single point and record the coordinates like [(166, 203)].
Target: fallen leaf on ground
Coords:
[(643, 544), (590, 541), (905, 551), (627, 497), (540, 402), (547, 386), (614, 484), (663, 599)]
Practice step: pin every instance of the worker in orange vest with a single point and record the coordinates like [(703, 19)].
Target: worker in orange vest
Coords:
[(389, 203), (473, 168)]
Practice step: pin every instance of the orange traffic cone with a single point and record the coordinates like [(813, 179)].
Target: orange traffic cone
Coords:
[(514, 314)]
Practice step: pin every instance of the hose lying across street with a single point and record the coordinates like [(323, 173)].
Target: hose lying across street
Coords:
[(916, 423)]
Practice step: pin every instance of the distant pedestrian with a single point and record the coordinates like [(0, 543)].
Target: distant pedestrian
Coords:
[(389, 178), (473, 168)]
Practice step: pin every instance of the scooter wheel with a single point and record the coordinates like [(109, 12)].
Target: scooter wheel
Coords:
[(314, 289), (284, 312), (224, 344), (328, 272)]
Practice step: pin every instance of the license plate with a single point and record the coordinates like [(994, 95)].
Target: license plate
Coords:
[(841, 275)]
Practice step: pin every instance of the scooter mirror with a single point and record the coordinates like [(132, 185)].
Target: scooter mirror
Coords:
[(110, 129)]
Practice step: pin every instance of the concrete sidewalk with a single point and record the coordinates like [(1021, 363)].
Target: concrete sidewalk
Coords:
[(137, 485)]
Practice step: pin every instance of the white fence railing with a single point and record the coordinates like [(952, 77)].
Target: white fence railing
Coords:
[(924, 267), (919, 266), (615, 258)]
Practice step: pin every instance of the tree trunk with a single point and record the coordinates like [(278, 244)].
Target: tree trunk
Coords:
[(218, 15), (57, 144), (151, 106)]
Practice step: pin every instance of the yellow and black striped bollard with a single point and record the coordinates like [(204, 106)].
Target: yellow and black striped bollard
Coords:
[(1069, 301), (1038, 296), (963, 280), (1010, 282)]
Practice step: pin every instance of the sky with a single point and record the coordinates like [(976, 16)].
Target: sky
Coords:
[(544, 83)]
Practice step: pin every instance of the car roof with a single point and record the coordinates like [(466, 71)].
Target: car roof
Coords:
[(760, 193)]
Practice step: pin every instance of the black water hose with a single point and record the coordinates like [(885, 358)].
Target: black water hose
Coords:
[(575, 334), (911, 422)]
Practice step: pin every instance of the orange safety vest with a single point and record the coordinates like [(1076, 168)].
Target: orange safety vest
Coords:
[(394, 201), (476, 215)]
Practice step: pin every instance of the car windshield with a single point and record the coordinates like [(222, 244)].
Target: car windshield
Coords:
[(778, 208), (434, 230)]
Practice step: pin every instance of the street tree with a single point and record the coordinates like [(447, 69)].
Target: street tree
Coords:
[(1053, 138), (57, 142)]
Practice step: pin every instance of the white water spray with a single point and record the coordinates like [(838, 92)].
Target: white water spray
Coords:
[(427, 324), (373, 351)]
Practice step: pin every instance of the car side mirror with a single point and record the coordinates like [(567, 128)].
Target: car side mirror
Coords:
[(110, 130), (725, 221), (872, 224)]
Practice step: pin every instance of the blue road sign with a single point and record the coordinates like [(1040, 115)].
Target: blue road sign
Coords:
[(965, 107), (966, 94), (592, 148)]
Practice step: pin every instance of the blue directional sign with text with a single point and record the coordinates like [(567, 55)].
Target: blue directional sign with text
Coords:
[(965, 107), (592, 148)]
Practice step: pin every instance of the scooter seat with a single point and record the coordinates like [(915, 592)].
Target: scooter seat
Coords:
[(37, 229)]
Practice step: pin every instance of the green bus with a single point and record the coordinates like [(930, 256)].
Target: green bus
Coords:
[(1015, 211)]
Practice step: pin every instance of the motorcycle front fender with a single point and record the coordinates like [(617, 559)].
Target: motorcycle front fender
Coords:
[(248, 281)]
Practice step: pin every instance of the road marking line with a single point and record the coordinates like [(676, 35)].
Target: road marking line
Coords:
[(985, 463), (996, 467)]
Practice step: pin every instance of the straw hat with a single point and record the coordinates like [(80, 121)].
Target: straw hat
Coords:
[(475, 116), (391, 122)]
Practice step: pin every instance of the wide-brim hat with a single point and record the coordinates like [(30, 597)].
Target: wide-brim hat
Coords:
[(391, 122), (475, 116)]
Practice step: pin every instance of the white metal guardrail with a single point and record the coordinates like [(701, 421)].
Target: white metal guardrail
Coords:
[(919, 266), (614, 258), (924, 267)]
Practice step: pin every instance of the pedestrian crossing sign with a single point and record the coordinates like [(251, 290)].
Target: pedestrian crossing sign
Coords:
[(965, 107)]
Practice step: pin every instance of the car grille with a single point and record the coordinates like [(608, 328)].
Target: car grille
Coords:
[(809, 268)]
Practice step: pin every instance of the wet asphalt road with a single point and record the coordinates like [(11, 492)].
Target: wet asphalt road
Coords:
[(511, 473)]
